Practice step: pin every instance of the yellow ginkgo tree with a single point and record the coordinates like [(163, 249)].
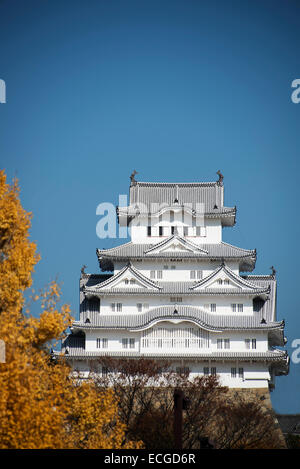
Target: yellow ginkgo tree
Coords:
[(41, 405)]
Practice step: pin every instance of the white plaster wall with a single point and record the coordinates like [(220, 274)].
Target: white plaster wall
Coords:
[(237, 340), (255, 375), (223, 304), (114, 340), (213, 229), (177, 269)]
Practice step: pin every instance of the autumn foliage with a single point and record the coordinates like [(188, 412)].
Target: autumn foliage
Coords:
[(41, 405), (17, 254)]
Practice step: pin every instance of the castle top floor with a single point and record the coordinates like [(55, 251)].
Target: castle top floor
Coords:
[(158, 210)]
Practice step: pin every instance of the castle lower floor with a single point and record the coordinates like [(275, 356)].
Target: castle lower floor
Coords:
[(232, 374)]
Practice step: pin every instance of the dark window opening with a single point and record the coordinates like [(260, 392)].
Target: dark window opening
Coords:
[(258, 304)]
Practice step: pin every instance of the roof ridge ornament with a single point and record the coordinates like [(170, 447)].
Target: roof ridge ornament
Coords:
[(221, 177), (132, 178), (273, 271)]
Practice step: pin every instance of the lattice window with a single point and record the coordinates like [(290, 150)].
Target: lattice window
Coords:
[(177, 337)]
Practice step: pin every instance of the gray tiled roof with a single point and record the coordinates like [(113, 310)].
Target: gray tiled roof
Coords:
[(264, 283), (239, 281), (182, 240), (226, 214), (208, 193), (211, 252), (135, 272), (172, 288), (204, 319), (268, 310), (149, 197), (243, 287)]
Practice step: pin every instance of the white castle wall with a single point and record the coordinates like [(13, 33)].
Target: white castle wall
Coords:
[(211, 234), (114, 343), (174, 270), (129, 304), (255, 376)]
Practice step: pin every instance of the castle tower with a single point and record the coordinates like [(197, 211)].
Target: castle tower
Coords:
[(177, 292)]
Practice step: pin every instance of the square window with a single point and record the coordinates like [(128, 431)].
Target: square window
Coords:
[(219, 343), (104, 343), (131, 343)]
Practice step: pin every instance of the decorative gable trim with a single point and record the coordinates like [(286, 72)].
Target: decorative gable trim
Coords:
[(177, 240), (239, 282), (113, 281)]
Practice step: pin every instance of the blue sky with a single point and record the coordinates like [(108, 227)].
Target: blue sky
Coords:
[(173, 89)]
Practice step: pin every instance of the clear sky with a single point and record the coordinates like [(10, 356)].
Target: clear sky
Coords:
[(174, 89)]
